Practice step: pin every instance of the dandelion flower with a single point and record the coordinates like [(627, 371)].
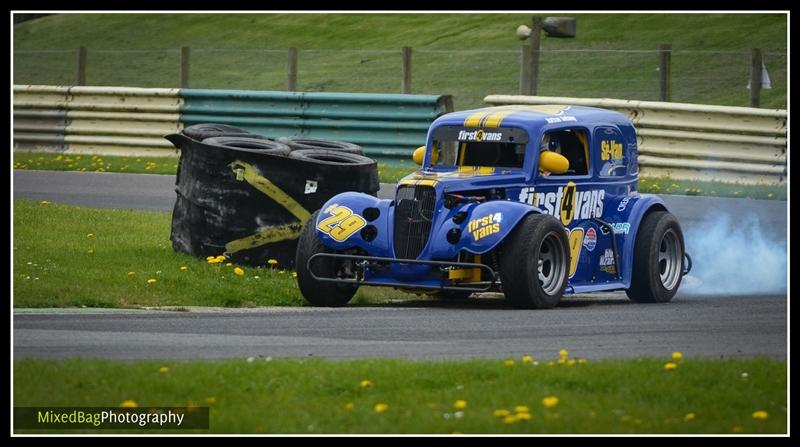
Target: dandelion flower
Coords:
[(677, 355), (550, 401), (571, 362), (501, 413), (460, 404), (509, 362), (230, 264), (272, 261), (527, 359), (184, 268), (563, 353), (129, 404), (131, 273), (210, 258), (381, 408), (760, 415), (294, 274), (163, 369), (44, 202), (522, 409), (348, 406), (151, 281), (365, 384), (238, 271), (90, 235), (211, 400), (510, 419), (689, 417), (669, 366), (524, 416)]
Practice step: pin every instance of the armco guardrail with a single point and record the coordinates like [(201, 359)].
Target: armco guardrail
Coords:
[(695, 141), (125, 120), (385, 125)]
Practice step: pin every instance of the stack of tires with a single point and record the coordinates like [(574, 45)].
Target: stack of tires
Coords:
[(246, 196)]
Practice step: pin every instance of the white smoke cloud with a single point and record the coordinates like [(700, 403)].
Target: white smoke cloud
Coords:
[(734, 258)]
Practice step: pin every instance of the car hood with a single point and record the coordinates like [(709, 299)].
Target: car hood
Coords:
[(465, 178)]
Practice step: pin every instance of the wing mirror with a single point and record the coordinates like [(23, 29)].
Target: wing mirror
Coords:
[(553, 162), (419, 156)]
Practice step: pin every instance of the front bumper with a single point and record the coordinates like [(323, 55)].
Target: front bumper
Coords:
[(379, 271)]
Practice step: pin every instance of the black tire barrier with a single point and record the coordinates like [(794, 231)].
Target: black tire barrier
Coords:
[(256, 144), (200, 132), (298, 143), (322, 157), (251, 202)]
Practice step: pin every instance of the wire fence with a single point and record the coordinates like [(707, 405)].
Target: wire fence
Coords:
[(709, 77)]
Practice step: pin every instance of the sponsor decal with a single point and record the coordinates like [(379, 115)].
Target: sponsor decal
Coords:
[(607, 262), (575, 239), (618, 227), (590, 240), (610, 269), (567, 203), (341, 224), (623, 203), (610, 150), (485, 226), (311, 187), (479, 136), (560, 119)]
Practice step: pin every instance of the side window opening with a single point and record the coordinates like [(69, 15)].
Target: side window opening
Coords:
[(573, 145)]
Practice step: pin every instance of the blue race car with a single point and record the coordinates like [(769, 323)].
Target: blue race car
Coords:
[(530, 201)]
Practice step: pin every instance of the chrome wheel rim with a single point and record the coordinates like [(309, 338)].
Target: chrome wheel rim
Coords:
[(551, 264), (669, 260)]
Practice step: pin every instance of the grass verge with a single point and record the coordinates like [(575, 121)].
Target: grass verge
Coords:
[(68, 256), (386, 173), (319, 396)]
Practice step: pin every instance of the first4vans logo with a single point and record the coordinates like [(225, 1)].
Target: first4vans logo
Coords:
[(567, 203), (479, 135)]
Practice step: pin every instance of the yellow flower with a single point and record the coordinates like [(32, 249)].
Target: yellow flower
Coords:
[(509, 362), (163, 369), (211, 400), (58, 158), (184, 268), (689, 417), (348, 406), (522, 409), (501, 413), (669, 366), (90, 235), (527, 359), (272, 261), (737, 429), (571, 362), (238, 271), (677, 355), (563, 353), (460, 404), (582, 361), (550, 401), (510, 419), (210, 258), (131, 273), (44, 202), (220, 258), (761, 415), (151, 281), (294, 274), (524, 416), (129, 404), (562, 360), (90, 251), (551, 363), (230, 264), (381, 408), (365, 384)]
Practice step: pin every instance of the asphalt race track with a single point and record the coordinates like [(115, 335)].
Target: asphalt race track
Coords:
[(605, 325), (592, 326)]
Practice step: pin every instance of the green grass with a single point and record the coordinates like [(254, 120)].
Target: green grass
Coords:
[(312, 396), (387, 174), (466, 55), (68, 256)]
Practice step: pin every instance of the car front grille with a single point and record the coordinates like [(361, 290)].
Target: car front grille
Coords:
[(413, 217)]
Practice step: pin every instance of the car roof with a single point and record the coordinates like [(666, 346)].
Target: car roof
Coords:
[(532, 117)]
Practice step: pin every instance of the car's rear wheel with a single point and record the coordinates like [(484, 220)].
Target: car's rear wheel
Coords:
[(319, 293), (534, 263), (657, 259)]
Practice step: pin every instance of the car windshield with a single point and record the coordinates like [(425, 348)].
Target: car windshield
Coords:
[(501, 147)]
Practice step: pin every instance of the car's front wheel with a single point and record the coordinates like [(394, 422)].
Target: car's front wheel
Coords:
[(319, 293), (534, 263), (657, 259)]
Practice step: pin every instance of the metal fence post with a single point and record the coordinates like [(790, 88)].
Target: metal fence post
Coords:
[(405, 86), (525, 69), (81, 77), (755, 78), (664, 72), (292, 70), (185, 67), (536, 37)]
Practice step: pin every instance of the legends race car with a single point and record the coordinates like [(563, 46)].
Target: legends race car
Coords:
[(530, 201)]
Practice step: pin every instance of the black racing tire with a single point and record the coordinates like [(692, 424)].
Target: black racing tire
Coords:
[(318, 293), (201, 132), (538, 237), (260, 145), (300, 143), (657, 259), (331, 158)]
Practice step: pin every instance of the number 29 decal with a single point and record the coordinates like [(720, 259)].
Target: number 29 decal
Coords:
[(341, 224)]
